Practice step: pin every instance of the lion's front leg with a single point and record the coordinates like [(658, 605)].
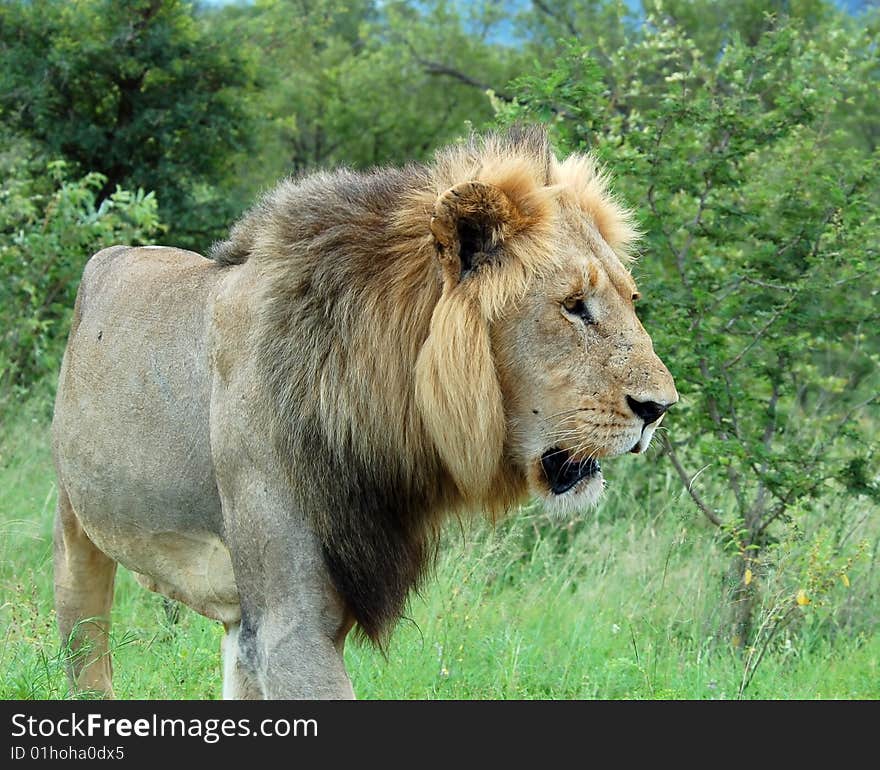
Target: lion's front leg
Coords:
[(282, 661), (289, 643), (290, 639), (282, 674), (238, 674)]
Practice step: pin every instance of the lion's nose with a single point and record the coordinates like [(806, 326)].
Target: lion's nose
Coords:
[(649, 411)]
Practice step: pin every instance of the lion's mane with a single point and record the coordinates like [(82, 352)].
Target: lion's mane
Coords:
[(386, 409)]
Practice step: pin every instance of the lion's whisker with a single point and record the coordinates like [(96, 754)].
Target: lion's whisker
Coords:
[(574, 410)]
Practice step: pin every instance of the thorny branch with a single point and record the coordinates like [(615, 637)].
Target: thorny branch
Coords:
[(760, 333), (688, 481)]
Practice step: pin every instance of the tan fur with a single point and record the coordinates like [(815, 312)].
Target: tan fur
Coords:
[(582, 180), (273, 437), (464, 415)]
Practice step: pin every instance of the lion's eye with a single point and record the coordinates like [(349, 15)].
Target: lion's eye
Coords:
[(577, 307)]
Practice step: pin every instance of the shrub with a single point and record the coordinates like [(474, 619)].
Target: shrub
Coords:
[(51, 225), (759, 201)]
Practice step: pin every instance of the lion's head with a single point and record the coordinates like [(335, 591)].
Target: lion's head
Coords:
[(537, 365)]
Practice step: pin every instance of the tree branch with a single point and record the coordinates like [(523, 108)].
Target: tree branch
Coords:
[(688, 481), (565, 22), (783, 503), (765, 285), (757, 510), (438, 68), (701, 205), (720, 297), (829, 215), (712, 405), (754, 341), (695, 223)]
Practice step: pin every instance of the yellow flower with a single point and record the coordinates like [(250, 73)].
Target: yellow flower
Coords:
[(747, 577), (802, 599)]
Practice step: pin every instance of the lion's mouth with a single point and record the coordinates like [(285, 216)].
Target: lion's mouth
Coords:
[(563, 471)]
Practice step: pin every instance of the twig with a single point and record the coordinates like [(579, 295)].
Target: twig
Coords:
[(754, 341), (750, 669), (857, 276), (766, 285), (688, 481), (438, 68)]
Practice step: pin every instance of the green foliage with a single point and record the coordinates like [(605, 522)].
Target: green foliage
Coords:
[(208, 105), (362, 83), (600, 25), (760, 210), (136, 90), (51, 225)]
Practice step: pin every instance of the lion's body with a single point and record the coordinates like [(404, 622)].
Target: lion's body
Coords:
[(133, 442), (273, 436)]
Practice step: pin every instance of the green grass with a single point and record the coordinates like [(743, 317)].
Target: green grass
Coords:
[(622, 603)]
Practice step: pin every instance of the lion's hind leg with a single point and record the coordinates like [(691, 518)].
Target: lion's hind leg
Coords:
[(84, 577)]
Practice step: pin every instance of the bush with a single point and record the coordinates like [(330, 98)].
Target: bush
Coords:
[(759, 201), (51, 226), (140, 91)]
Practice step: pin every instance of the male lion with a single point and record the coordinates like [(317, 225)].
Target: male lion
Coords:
[(272, 436)]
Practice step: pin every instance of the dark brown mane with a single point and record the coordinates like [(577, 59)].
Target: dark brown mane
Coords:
[(371, 489)]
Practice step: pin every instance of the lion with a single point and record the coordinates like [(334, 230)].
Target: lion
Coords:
[(273, 435)]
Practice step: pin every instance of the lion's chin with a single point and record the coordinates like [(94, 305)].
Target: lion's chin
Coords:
[(581, 497), (566, 482)]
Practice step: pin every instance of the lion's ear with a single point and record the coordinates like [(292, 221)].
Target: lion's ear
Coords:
[(470, 222)]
